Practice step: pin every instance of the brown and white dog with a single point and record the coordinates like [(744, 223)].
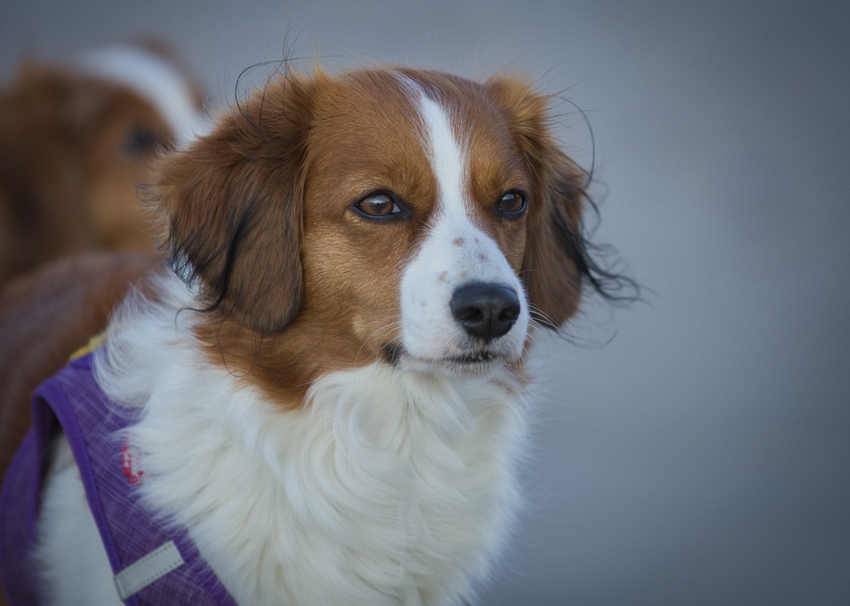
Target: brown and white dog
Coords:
[(333, 394), (75, 138)]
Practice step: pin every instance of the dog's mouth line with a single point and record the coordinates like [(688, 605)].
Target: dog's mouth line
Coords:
[(477, 357), (394, 354)]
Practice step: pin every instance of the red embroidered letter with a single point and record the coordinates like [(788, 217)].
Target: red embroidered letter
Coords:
[(130, 463)]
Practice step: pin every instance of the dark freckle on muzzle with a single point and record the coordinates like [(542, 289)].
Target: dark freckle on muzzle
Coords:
[(391, 353), (486, 310)]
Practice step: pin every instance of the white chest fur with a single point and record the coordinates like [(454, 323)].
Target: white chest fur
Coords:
[(388, 487)]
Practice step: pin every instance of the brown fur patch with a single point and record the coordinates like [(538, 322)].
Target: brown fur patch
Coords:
[(47, 315)]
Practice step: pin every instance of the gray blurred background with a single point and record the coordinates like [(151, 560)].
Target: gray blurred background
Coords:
[(702, 455)]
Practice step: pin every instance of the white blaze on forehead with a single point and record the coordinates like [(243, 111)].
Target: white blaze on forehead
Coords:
[(153, 78), (447, 159)]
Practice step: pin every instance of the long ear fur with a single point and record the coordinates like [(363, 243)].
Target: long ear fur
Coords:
[(558, 259), (233, 205)]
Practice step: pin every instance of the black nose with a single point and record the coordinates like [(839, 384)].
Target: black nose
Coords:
[(485, 310)]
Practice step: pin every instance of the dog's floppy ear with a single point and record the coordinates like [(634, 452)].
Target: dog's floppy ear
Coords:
[(233, 206), (557, 259)]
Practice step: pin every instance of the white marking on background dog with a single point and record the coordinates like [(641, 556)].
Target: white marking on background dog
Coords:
[(455, 252), (153, 78)]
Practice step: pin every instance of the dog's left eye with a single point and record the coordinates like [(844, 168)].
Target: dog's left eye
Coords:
[(511, 204), (378, 205)]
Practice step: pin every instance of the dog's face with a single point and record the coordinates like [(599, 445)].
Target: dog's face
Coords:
[(410, 216), (415, 222)]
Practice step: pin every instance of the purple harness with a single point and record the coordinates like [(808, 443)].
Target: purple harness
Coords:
[(154, 564)]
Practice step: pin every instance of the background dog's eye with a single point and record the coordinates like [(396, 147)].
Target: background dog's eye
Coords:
[(511, 203), (378, 205), (141, 141)]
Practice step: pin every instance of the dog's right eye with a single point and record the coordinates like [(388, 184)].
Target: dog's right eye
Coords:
[(378, 205)]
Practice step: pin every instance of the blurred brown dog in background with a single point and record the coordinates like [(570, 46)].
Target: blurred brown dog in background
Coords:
[(75, 139)]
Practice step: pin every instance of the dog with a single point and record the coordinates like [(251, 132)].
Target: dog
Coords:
[(75, 138), (324, 398)]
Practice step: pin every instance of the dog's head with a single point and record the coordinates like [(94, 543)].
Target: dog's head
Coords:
[(407, 215)]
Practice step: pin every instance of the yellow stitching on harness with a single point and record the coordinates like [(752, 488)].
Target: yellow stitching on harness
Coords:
[(95, 342)]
